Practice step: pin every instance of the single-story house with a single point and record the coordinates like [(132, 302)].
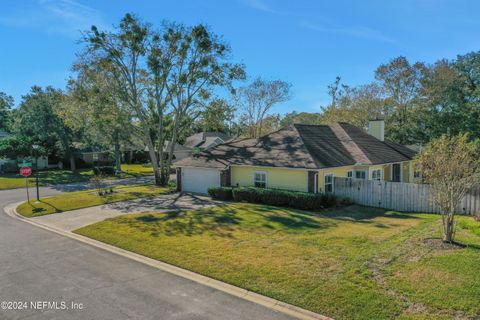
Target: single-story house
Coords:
[(12, 165), (299, 157), (206, 140), (179, 151), (90, 157)]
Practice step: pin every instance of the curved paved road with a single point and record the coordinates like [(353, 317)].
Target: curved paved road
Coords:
[(37, 265)]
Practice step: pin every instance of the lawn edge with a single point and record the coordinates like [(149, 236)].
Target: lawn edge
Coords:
[(91, 206), (270, 303)]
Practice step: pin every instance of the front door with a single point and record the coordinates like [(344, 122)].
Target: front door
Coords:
[(396, 172)]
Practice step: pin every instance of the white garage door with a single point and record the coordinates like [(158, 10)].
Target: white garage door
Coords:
[(198, 180)]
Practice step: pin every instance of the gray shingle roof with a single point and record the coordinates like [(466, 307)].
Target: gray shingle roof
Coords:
[(304, 146), (204, 138), (178, 147)]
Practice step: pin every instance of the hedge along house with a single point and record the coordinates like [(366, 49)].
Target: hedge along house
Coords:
[(299, 157)]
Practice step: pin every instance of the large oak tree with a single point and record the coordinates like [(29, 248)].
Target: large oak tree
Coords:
[(162, 71)]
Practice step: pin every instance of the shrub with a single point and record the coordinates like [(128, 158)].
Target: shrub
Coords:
[(221, 193), (284, 198), (172, 184), (105, 170)]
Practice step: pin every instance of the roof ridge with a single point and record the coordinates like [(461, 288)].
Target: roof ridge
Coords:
[(350, 145), (305, 146), (309, 125)]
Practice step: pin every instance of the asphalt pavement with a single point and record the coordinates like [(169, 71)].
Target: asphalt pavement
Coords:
[(44, 275)]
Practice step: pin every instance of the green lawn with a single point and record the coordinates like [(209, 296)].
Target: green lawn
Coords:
[(137, 170), (49, 177), (87, 198), (350, 263), (52, 177)]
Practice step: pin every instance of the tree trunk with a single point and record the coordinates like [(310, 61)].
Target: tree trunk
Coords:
[(71, 158), (68, 153), (118, 158), (153, 156), (178, 119), (72, 162), (161, 144), (448, 227), (118, 155)]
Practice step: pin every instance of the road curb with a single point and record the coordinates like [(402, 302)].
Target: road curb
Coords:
[(273, 304)]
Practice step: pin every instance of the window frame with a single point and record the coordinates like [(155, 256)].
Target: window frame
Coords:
[(350, 173), (365, 172), (328, 174), (255, 180), (380, 176), (417, 174)]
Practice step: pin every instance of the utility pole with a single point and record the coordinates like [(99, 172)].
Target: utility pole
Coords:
[(36, 178), (35, 147)]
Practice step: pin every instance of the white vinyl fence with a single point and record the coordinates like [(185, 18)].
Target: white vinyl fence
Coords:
[(398, 195)]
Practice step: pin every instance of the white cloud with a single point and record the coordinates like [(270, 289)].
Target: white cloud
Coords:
[(259, 5), (358, 32), (66, 17)]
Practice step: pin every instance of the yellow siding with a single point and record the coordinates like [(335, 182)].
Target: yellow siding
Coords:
[(410, 172), (337, 172), (387, 172), (406, 172), (288, 179), (297, 179)]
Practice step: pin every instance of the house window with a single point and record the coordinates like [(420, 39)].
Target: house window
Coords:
[(396, 172), (350, 174), (417, 174), (361, 174), (328, 182), (260, 179), (377, 174)]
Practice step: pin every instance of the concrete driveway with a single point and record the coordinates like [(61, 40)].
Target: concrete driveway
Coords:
[(37, 265), (71, 220)]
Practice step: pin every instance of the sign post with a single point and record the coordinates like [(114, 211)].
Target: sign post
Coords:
[(26, 172)]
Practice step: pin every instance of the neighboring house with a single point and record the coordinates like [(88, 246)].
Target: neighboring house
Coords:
[(300, 157), (206, 140), (92, 157), (179, 151), (11, 165), (201, 141)]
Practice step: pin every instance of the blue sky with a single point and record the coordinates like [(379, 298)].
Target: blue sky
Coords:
[(307, 43)]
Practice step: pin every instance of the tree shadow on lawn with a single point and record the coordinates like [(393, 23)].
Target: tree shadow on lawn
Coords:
[(360, 214), (174, 223), (38, 211), (154, 202), (289, 219), (298, 222)]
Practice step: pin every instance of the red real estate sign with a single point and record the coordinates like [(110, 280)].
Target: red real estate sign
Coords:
[(25, 171)]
